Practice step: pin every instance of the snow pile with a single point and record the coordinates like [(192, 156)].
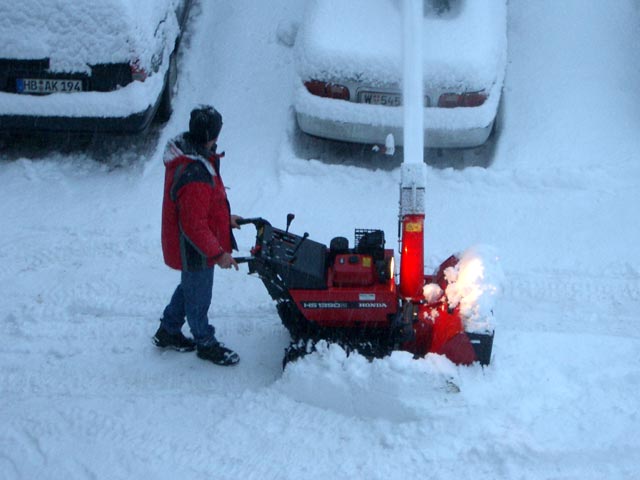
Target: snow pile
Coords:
[(473, 284), (75, 35), (396, 388)]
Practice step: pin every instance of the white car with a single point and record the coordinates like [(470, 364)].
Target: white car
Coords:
[(88, 65), (349, 68)]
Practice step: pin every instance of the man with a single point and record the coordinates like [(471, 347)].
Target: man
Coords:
[(196, 235)]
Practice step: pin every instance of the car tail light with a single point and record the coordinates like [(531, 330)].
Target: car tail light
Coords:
[(469, 99), (328, 90), (137, 72)]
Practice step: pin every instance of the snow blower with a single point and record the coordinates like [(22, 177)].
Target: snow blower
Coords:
[(349, 295)]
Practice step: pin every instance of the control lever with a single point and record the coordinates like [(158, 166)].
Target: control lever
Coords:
[(295, 250), (290, 217)]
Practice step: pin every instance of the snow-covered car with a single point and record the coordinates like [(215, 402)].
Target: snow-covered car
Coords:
[(88, 66), (349, 69)]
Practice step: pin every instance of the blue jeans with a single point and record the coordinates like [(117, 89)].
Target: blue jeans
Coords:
[(192, 299)]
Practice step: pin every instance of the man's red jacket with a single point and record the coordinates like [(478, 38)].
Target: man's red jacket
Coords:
[(196, 219)]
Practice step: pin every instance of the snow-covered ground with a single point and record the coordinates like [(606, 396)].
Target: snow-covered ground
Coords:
[(84, 394)]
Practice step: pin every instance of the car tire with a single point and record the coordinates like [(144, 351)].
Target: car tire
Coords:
[(165, 109)]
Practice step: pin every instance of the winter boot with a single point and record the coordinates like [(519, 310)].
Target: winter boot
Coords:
[(177, 341), (218, 354)]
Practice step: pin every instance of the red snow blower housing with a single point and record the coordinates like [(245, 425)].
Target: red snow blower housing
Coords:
[(348, 295)]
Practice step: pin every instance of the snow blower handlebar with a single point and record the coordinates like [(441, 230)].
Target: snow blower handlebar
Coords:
[(242, 259), (258, 222)]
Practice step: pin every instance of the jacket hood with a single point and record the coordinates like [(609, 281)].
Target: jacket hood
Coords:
[(183, 146)]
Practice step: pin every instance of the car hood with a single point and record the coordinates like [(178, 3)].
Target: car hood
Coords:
[(76, 34), (361, 40)]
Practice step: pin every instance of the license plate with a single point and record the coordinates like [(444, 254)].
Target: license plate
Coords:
[(384, 98), (48, 85), (379, 98)]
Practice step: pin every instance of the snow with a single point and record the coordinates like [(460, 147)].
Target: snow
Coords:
[(475, 284), (413, 83), (85, 394), (74, 35), (362, 40)]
